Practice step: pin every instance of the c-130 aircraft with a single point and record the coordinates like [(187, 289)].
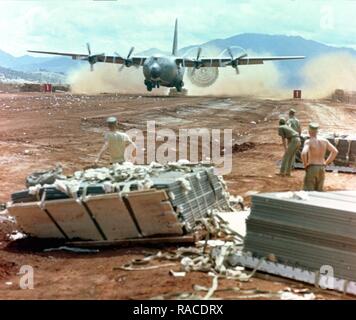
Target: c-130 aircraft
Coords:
[(168, 71)]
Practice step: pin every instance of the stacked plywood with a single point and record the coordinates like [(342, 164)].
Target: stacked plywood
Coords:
[(172, 206), (345, 144), (344, 96), (310, 230), (206, 192)]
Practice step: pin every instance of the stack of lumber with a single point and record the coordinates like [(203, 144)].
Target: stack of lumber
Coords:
[(345, 144), (31, 87), (205, 191), (344, 96), (309, 230), (170, 203)]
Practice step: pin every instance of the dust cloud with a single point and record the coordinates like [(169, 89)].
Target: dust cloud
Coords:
[(106, 78), (319, 77), (322, 75), (254, 80)]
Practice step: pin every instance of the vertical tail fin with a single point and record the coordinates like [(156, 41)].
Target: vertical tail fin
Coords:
[(175, 40)]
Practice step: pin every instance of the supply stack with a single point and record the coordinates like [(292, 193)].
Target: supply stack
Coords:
[(307, 236), (120, 202)]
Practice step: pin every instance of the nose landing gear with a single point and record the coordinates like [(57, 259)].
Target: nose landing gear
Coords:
[(150, 85)]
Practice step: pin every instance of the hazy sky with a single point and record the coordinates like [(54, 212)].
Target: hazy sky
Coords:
[(66, 25)]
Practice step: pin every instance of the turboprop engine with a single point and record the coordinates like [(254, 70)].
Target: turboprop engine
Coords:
[(203, 77)]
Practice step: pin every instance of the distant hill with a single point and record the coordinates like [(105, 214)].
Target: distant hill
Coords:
[(256, 44), (153, 51), (9, 75), (277, 44), (9, 61), (29, 63)]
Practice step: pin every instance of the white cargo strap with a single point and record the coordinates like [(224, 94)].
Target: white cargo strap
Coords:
[(317, 279), (185, 184), (127, 187), (83, 196), (35, 190), (253, 293), (346, 283), (43, 200), (348, 151), (212, 289)]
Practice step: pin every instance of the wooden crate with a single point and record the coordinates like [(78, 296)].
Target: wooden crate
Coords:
[(74, 219), (154, 213), (108, 217), (34, 221), (113, 216)]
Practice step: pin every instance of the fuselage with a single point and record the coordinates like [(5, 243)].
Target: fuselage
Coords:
[(162, 71)]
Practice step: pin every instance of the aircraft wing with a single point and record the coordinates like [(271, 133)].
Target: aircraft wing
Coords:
[(74, 56), (137, 60), (226, 61)]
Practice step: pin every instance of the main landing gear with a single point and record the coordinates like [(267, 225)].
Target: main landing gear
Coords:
[(179, 86)]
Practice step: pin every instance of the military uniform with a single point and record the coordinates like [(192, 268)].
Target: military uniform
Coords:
[(115, 143), (315, 173), (314, 177), (292, 136), (294, 124)]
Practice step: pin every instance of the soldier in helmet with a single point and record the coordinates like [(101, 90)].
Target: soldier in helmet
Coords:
[(293, 122), (115, 141), (313, 156), (291, 143)]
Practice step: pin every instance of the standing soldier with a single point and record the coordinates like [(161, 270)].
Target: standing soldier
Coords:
[(292, 137), (293, 122), (115, 141), (313, 157)]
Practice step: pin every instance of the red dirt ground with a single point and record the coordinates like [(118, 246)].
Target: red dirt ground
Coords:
[(37, 131)]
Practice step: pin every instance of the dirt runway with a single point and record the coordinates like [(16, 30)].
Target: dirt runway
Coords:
[(37, 131)]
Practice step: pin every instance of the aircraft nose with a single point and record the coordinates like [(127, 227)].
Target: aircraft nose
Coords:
[(155, 72)]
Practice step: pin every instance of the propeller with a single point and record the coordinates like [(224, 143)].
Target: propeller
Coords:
[(235, 61), (88, 47), (128, 62), (92, 59), (197, 62)]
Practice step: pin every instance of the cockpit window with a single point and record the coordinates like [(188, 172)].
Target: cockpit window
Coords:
[(155, 59)]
